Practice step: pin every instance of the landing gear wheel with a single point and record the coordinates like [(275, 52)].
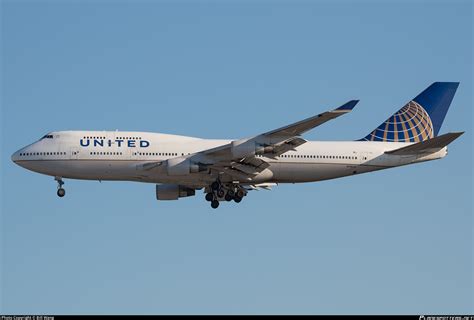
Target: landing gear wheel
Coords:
[(220, 193), (214, 204), (231, 193), (209, 197), (240, 194), (61, 192), (215, 185), (228, 197), (237, 199)]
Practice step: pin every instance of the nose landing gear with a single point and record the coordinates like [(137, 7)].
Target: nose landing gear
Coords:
[(61, 192)]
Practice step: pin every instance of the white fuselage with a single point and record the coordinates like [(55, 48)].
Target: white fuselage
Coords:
[(114, 155)]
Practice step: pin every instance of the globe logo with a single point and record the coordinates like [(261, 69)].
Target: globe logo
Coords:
[(410, 124)]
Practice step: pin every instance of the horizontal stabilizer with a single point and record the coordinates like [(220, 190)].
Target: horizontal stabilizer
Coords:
[(427, 146)]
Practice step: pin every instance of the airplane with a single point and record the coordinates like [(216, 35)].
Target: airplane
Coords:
[(228, 169)]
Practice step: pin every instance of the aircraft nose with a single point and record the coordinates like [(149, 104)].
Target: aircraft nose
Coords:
[(16, 156)]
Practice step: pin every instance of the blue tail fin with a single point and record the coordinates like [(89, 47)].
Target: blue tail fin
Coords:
[(420, 119)]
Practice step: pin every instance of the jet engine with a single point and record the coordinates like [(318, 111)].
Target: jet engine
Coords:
[(173, 192), (182, 166), (247, 148)]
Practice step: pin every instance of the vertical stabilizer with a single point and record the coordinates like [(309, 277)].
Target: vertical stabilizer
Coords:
[(420, 119)]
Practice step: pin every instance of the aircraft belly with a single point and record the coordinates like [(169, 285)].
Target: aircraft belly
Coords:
[(126, 170), (84, 169), (307, 172)]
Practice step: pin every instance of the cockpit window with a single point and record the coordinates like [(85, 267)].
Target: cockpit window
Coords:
[(48, 136)]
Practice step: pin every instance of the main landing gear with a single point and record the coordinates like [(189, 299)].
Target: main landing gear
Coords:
[(61, 192), (220, 192)]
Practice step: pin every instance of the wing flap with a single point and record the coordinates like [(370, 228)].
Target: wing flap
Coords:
[(266, 186), (255, 162), (288, 145), (238, 175), (245, 168)]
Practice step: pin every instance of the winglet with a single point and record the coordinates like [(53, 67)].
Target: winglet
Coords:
[(348, 106)]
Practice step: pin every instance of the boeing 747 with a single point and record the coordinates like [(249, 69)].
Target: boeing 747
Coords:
[(228, 169)]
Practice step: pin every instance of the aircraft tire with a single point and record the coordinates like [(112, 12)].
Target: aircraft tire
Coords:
[(61, 192), (240, 193), (209, 197)]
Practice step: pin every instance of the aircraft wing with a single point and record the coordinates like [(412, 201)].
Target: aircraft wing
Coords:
[(241, 158), (297, 128)]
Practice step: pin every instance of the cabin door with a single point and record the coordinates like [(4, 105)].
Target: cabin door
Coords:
[(74, 153)]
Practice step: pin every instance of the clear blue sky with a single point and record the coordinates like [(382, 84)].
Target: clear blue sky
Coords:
[(396, 241)]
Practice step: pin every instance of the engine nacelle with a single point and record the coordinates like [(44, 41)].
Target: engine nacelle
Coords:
[(248, 148), (173, 192), (182, 166), (263, 176)]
